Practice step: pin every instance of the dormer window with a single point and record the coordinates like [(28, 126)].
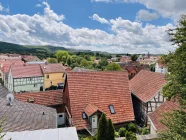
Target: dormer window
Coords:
[(84, 115), (112, 111)]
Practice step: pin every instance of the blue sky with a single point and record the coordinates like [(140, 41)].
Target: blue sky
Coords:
[(134, 26)]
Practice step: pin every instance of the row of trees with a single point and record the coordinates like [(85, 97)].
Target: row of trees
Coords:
[(84, 60)]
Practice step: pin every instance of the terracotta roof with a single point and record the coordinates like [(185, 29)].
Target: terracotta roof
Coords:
[(100, 89), (46, 98), (91, 109), (146, 84), (52, 68), (156, 116), (20, 71), (6, 64)]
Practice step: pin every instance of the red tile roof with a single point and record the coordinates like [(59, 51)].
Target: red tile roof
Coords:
[(100, 89), (146, 84), (52, 68), (91, 109), (21, 71), (5, 65), (46, 98), (156, 116)]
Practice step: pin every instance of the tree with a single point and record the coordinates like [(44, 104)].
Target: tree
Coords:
[(52, 60), (102, 128), (113, 67), (176, 123), (110, 131), (103, 63), (69, 60), (62, 56), (134, 57), (176, 87)]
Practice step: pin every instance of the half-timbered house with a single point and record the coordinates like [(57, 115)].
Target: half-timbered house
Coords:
[(146, 89), (24, 78)]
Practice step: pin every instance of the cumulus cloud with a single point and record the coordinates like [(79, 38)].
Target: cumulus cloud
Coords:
[(145, 15), (49, 29), (1, 7), (166, 8), (99, 19), (38, 5)]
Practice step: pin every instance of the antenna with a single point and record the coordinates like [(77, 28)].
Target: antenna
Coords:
[(10, 98)]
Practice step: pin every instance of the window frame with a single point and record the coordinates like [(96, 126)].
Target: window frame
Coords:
[(112, 110), (84, 116)]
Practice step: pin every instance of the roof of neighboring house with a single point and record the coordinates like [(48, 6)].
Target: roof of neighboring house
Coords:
[(47, 98), (100, 89), (3, 92), (52, 68), (156, 116), (6, 64), (30, 58), (78, 69), (25, 116), (160, 65), (67, 133), (21, 71), (146, 84)]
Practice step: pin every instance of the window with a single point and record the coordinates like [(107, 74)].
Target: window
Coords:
[(112, 111), (84, 115), (60, 116), (35, 85), (47, 76)]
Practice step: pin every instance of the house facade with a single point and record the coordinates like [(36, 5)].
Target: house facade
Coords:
[(89, 94), (161, 68), (54, 75), (146, 94), (25, 78)]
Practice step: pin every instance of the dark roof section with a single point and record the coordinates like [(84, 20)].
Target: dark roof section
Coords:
[(3, 92), (25, 116), (146, 84)]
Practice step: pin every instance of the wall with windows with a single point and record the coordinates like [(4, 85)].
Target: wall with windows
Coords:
[(53, 79), (28, 84)]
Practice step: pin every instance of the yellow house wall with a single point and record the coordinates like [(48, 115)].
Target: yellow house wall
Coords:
[(55, 78)]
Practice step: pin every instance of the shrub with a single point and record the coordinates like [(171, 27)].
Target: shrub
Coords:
[(116, 134), (145, 131), (131, 127), (122, 132), (130, 136)]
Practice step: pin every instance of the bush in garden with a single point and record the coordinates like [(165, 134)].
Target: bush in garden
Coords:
[(116, 134), (122, 132), (145, 131), (132, 127), (130, 136)]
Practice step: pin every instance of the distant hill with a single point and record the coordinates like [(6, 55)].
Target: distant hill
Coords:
[(30, 49)]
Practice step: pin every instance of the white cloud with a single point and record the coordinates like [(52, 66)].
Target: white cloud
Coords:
[(99, 19), (4, 9), (166, 8), (1, 7), (38, 5), (145, 15), (49, 29)]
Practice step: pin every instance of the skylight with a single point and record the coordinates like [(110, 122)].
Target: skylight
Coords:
[(84, 115), (112, 111)]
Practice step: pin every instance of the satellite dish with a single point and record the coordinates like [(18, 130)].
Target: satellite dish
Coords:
[(10, 98)]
